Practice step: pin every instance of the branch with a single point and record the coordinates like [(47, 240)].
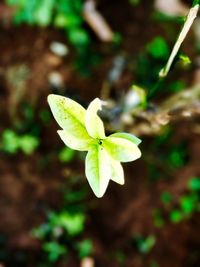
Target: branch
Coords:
[(186, 27), (184, 104)]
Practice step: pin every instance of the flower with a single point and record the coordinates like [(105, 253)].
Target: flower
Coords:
[(83, 130)]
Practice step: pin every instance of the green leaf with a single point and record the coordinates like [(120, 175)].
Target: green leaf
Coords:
[(117, 173), (28, 143), (94, 124), (85, 248), (158, 48), (127, 136), (176, 216), (43, 13), (54, 250), (194, 184), (10, 141), (121, 149), (66, 111), (98, 169), (66, 154), (70, 116), (76, 140)]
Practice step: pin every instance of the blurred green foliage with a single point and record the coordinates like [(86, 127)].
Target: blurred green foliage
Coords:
[(12, 142), (153, 58), (189, 203), (183, 208), (66, 154), (145, 244), (61, 234), (85, 248), (64, 14), (168, 155), (158, 218), (194, 184), (166, 197), (158, 48), (54, 250)]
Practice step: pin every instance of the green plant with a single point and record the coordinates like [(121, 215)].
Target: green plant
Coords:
[(158, 48), (83, 130), (85, 248), (66, 154), (61, 234), (187, 204), (145, 244), (12, 142), (64, 14)]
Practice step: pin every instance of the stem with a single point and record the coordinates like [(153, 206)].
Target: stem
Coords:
[(186, 27)]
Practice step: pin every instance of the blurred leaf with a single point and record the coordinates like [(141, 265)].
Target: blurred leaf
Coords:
[(78, 37), (189, 203), (176, 216), (176, 157), (176, 86), (72, 223), (85, 248), (194, 184), (43, 12), (28, 143), (10, 141), (185, 59), (41, 231), (158, 48), (64, 21), (66, 154), (145, 244), (166, 197), (54, 250)]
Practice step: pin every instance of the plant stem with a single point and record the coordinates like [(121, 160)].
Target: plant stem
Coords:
[(186, 27)]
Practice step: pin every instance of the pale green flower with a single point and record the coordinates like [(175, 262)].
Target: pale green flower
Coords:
[(83, 130)]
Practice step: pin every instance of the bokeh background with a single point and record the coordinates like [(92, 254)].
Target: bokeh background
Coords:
[(113, 50)]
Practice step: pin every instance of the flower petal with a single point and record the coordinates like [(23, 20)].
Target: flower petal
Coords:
[(121, 149), (98, 170), (94, 124), (76, 140)]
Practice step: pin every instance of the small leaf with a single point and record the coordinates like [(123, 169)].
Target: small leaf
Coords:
[(93, 122), (117, 173), (70, 116), (66, 111), (77, 140), (127, 136), (98, 170), (121, 149)]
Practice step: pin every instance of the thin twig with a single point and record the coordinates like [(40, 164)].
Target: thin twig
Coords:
[(186, 27)]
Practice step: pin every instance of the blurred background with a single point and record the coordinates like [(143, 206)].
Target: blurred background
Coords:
[(113, 50)]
